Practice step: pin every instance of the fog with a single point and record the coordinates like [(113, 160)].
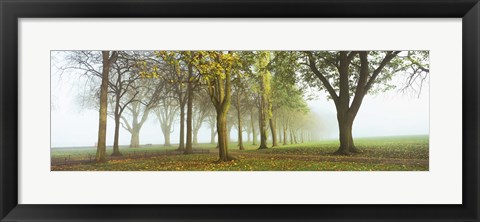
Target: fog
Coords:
[(384, 114)]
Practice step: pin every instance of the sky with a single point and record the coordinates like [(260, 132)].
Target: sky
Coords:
[(384, 114)]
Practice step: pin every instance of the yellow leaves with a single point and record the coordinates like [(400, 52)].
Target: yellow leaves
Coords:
[(211, 65), (145, 74)]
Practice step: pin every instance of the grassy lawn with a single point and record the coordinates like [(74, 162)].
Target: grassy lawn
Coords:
[(403, 153), (82, 153)]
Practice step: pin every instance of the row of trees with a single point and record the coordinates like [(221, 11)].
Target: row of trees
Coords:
[(264, 88), (175, 87)]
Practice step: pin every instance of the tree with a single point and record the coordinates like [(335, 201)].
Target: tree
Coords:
[(300, 115), (275, 102), (288, 102), (253, 118), (166, 112), (192, 84), (146, 93), (249, 126), (241, 99), (189, 148), (240, 86), (94, 65), (182, 65), (314, 125), (285, 97), (139, 111), (265, 105), (250, 99), (212, 119), (202, 109), (125, 86), (230, 125), (286, 123), (107, 60), (217, 69), (123, 90), (238, 108), (347, 76), (178, 71)]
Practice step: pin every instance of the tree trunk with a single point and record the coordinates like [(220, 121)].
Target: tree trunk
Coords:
[(212, 135), (229, 130), (166, 131), (291, 136), (102, 119), (195, 136), (222, 138), (262, 126), (265, 106), (116, 150), (166, 137), (240, 136), (165, 116), (254, 134), (344, 113), (295, 137), (135, 138), (273, 128), (188, 148), (285, 134), (197, 125), (347, 146), (280, 132), (181, 142), (239, 118)]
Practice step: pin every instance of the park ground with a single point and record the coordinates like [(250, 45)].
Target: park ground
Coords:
[(400, 153)]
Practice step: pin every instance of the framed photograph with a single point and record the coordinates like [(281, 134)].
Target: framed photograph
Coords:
[(225, 110)]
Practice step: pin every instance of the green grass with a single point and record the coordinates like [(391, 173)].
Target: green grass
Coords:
[(403, 153), (79, 153), (408, 147)]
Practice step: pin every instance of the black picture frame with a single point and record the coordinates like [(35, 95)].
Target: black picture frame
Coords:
[(11, 11)]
